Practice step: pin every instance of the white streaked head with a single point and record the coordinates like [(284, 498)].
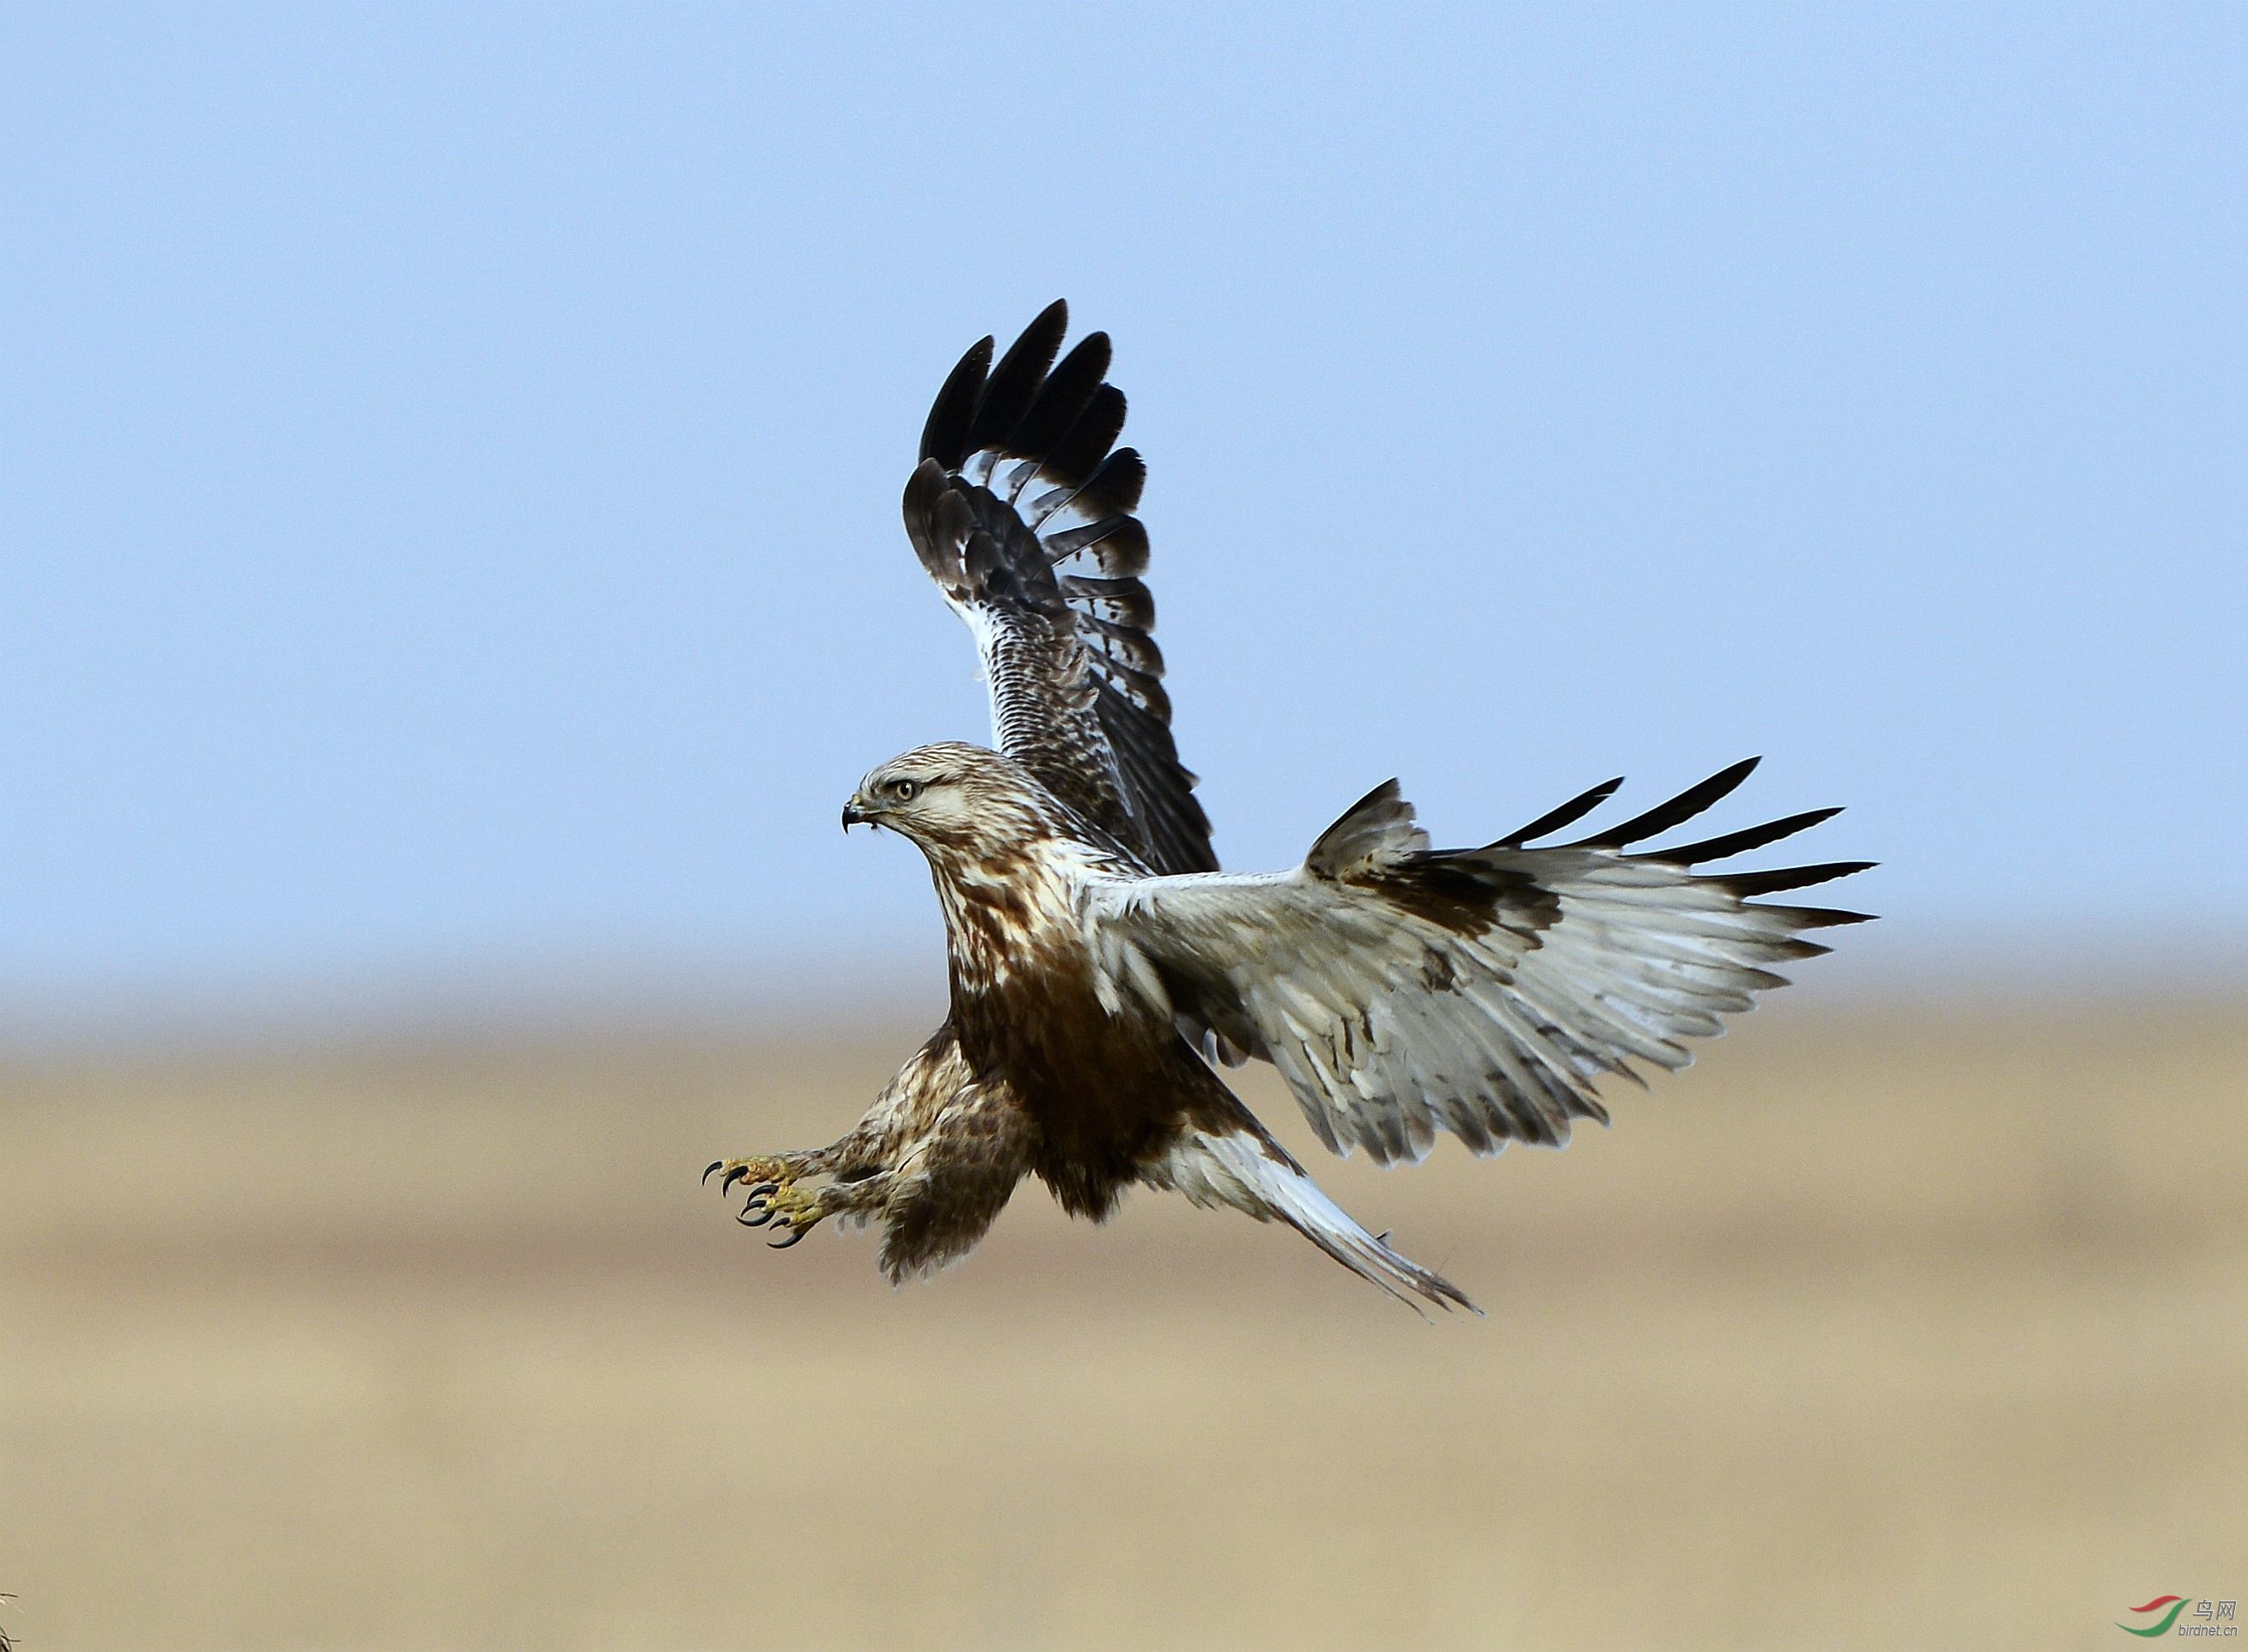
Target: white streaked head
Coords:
[(955, 798)]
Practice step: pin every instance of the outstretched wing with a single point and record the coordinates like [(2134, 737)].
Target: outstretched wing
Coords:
[(1023, 516), (1402, 990)]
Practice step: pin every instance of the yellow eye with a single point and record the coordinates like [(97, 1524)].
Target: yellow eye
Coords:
[(904, 791)]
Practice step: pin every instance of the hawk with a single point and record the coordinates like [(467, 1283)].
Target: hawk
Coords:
[(1103, 969)]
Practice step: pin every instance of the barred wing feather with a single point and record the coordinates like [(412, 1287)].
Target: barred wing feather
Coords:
[(1021, 509), (1402, 990)]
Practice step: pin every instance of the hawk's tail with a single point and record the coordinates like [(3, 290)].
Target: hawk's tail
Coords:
[(1251, 1172)]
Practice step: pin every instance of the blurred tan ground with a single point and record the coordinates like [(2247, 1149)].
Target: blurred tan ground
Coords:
[(1913, 1330)]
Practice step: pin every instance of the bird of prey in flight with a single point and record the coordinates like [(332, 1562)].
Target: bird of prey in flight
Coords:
[(1103, 969)]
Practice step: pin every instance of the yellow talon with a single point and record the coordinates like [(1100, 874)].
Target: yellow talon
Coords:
[(793, 1213), (753, 1170), (795, 1207)]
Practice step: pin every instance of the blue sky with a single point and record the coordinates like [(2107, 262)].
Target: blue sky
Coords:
[(450, 461)]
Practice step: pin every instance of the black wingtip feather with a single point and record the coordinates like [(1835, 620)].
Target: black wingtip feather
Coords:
[(1115, 488), (1014, 383), (1749, 884), (1063, 397), (944, 437), (1086, 443), (1568, 814), (1820, 918), (1733, 843), (1681, 808)]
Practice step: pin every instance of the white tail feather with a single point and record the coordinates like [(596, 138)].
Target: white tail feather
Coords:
[(1241, 1172)]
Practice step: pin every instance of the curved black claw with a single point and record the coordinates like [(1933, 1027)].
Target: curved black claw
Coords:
[(754, 1213), (792, 1236), (733, 1175), (715, 1163)]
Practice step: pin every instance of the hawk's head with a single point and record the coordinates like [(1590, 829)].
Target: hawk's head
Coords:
[(953, 799)]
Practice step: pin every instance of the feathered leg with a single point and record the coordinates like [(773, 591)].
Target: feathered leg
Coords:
[(934, 1161), (869, 1146), (945, 1195)]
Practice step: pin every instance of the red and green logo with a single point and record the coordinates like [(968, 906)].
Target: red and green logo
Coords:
[(2176, 1603)]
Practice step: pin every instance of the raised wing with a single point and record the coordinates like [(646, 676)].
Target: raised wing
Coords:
[(1402, 990), (1023, 516)]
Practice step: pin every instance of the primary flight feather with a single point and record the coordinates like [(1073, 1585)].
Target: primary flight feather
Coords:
[(1100, 963)]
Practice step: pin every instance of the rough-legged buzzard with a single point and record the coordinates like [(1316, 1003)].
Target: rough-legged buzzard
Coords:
[(1102, 968)]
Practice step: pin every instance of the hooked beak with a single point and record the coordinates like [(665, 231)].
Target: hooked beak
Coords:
[(853, 815)]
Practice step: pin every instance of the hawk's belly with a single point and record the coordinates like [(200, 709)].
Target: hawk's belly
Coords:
[(1110, 1093)]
